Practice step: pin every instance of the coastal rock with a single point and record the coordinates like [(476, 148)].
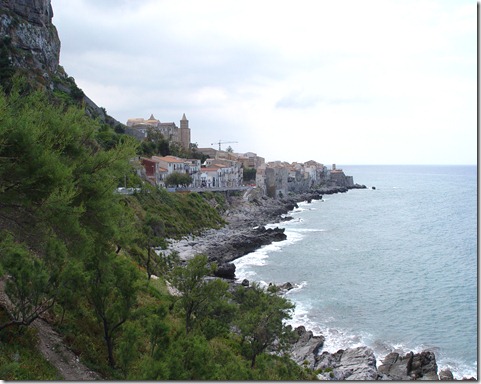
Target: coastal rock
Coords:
[(410, 367), (446, 374), (350, 364), (307, 347), (241, 244), (225, 271), (286, 286)]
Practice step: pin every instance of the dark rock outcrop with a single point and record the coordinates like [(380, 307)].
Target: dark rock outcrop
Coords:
[(242, 244), (350, 364), (34, 41), (225, 271), (410, 367), (446, 374), (306, 347)]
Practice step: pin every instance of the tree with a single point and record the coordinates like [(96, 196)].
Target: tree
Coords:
[(249, 174), (202, 301), (230, 149), (177, 178), (261, 320), (112, 292), (64, 220), (29, 285)]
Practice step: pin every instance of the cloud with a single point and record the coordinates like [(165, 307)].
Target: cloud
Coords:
[(378, 73)]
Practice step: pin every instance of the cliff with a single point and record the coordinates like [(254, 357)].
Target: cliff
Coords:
[(30, 37), (30, 45)]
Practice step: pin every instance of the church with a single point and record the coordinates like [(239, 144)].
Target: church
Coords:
[(139, 127)]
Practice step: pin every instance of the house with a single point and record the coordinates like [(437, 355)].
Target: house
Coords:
[(153, 171), (171, 163)]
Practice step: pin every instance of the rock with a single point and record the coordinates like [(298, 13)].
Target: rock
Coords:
[(245, 283), (306, 347), (286, 286), (35, 41), (446, 374), (350, 364), (410, 367), (225, 271)]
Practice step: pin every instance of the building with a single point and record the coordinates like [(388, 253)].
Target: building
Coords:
[(139, 128)]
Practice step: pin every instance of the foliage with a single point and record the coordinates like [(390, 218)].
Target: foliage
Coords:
[(6, 68), (19, 357), (177, 178), (249, 174), (176, 214), (203, 302), (155, 144), (72, 248), (28, 286), (112, 293), (57, 201), (261, 321)]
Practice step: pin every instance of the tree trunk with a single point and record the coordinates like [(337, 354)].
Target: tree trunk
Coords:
[(108, 342)]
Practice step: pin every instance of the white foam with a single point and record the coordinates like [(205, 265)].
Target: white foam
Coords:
[(297, 287)]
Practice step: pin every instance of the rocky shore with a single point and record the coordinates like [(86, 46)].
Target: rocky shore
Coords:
[(244, 233)]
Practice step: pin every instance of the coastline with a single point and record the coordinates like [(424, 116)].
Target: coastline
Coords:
[(247, 217)]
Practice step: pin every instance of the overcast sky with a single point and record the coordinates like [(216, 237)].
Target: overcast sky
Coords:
[(346, 82)]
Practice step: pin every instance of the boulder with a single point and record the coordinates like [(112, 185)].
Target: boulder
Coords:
[(307, 346), (446, 374), (286, 286), (350, 364), (410, 367), (225, 271)]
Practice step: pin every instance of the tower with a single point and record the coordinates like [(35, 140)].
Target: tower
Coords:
[(184, 132)]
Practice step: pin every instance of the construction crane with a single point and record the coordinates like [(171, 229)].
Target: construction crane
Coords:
[(224, 142)]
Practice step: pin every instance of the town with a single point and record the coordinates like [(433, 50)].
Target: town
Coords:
[(227, 170)]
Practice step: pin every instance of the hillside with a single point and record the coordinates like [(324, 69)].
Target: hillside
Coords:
[(79, 277)]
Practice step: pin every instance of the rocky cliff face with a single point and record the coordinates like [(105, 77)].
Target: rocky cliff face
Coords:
[(26, 28), (29, 38)]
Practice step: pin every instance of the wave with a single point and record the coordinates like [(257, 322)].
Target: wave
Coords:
[(260, 256), (336, 339)]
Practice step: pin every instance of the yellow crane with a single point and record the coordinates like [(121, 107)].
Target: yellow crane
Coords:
[(224, 142)]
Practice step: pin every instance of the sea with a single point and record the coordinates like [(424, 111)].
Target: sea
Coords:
[(392, 267)]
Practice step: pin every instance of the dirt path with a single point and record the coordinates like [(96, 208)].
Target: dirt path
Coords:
[(56, 352), (52, 347)]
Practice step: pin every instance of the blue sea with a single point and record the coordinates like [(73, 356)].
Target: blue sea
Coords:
[(393, 268)]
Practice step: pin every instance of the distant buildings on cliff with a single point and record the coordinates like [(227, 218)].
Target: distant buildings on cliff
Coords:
[(139, 127), (223, 169)]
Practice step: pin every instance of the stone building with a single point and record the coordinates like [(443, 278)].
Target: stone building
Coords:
[(273, 179), (139, 127)]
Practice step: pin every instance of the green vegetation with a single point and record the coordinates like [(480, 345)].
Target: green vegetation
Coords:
[(19, 360), (177, 178), (75, 252), (249, 174)]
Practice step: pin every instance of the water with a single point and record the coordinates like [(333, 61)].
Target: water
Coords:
[(393, 268)]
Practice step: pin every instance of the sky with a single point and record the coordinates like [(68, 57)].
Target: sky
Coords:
[(336, 81)]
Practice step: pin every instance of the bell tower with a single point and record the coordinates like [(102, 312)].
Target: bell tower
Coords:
[(184, 132)]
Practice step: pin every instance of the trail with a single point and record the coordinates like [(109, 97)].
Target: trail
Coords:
[(53, 348)]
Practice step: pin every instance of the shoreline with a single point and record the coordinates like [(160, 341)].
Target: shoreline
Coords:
[(238, 238), (245, 230)]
